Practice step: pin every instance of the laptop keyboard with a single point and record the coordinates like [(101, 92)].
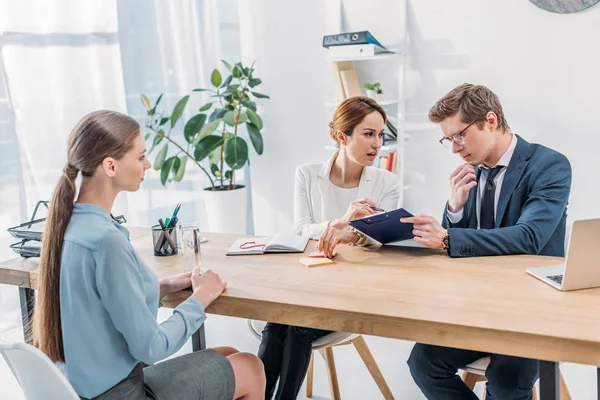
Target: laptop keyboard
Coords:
[(556, 278)]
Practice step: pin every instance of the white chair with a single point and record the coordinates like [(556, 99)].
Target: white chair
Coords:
[(324, 346), (475, 372), (39, 378)]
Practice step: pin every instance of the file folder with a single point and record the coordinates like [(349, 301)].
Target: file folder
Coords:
[(385, 227)]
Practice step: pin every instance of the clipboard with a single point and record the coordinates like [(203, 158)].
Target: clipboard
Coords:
[(385, 227)]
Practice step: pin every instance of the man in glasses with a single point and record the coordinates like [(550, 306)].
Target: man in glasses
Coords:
[(509, 197)]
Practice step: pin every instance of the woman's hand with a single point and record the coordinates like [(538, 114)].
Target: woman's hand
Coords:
[(207, 286), (332, 237), (357, 209), (175, 283)]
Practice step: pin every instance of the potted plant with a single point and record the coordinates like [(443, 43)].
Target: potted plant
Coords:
[(211, 140), (373, 89)]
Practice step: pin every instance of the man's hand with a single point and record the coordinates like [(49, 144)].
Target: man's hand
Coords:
[(462, 180), (427, 230)]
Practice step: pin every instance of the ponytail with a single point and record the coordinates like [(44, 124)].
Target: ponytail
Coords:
[(47, 329)]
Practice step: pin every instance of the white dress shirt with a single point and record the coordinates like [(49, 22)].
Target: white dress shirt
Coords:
[(316, 200), (503, 162)]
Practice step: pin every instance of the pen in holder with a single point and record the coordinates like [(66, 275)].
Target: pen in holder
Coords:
[(164, 241)]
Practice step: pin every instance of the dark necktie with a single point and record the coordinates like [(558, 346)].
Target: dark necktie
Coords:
[(488, 199)]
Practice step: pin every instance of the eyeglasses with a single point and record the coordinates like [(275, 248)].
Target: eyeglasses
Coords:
[(458, 138)]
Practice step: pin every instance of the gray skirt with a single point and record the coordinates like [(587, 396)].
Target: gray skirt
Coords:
[(201, 375)]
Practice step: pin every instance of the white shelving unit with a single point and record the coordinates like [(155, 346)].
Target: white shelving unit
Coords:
[(395, 108)]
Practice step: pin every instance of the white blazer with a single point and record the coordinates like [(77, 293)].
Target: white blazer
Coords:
[(311, 195)]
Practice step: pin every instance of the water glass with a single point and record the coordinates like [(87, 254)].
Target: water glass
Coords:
[(189, 246)]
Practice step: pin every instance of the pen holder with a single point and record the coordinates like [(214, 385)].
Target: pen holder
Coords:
[(164, 242)]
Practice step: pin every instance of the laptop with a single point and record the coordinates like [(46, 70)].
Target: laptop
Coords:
[(580, 270)]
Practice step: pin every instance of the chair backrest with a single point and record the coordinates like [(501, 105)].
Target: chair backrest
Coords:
[(256, 327), (37, 375)]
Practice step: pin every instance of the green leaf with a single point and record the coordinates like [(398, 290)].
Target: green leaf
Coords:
[(254, 82), (175, 167), (236, 152), (166, 170), (158, 100), (242, 118), (208, 130), (255, 119), (178, 110), (237, 72), (215, 78), (229, 67), (181, 170), (215, 156), (146, 136), (255, 138), (246, 71), (160, 157), (229, 118), (206, 145), (227, 81), (201, 90), (260, 95), (163, 121), (157, 139), (193, 127), (249, 104), (205, 107), (214, 168), (146, 102), (216, 114), (228, 135), (228, 175)]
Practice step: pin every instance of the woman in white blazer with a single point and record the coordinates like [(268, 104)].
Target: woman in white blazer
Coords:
[(327, 196)]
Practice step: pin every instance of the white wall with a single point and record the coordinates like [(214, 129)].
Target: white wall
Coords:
[(285, 38), (544, 67)]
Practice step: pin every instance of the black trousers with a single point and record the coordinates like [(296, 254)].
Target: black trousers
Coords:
[(434, 370), (285, 352)]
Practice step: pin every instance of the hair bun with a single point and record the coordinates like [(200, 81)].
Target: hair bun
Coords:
[(332, 131)]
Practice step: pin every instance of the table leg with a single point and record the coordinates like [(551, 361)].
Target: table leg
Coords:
[(27, 298), (199, 339), (548, 380)]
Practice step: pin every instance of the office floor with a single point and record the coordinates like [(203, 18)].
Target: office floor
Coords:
[(354, 379)]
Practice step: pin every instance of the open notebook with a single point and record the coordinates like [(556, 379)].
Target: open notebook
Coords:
[(279, 243)]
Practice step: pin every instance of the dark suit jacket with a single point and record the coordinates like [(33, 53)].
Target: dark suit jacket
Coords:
[(532, 209)]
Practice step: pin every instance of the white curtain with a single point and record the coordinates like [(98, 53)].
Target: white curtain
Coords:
[(60, 59)]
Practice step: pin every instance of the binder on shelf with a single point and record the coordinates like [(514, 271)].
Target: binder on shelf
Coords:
[(338, 67), (356, 51), (350, 83), (350, 38)]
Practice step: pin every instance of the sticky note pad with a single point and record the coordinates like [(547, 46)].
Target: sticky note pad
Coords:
[(320, 254), (315, 262)]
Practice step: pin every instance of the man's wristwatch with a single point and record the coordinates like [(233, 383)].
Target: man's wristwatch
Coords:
[(446, 241)]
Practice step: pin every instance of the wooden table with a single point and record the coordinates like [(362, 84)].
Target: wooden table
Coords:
[(487, 303)]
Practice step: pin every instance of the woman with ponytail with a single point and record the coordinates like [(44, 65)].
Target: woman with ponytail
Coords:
[(98, 301), (327, 196)]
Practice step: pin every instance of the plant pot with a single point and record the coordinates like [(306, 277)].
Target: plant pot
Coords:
[(372, 94), (226, 209)]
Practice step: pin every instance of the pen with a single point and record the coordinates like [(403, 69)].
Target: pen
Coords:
[(175, 212), (376, 209), (167, 236)]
